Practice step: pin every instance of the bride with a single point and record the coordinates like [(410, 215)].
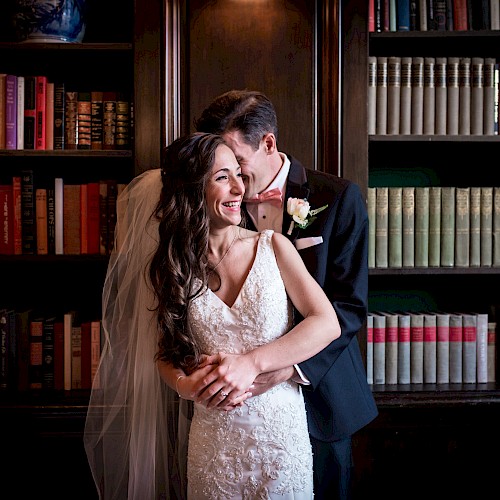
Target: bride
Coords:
[(196, 304)]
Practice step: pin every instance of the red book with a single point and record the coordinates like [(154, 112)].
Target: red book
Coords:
[(59, 355), (7, 220), (16, 202), (71, 219), (95, 350), (84, 244), (93, 218), (86, 355), (371, 16), (41, 112), (35, 371), (460, 15)]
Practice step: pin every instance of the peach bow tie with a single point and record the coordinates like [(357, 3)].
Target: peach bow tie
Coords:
[(273, 196)]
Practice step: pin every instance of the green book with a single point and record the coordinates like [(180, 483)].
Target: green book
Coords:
[(371, 197), (422, 226), (475, 227), (486, 226), (395, 235), (462, 227), (447, 226), (382, 227), (434, 226), (408, 202)]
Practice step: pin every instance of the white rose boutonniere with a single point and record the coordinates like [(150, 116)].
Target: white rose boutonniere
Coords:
[(301, 213)]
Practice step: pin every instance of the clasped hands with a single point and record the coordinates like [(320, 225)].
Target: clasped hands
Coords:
[(225, 381)]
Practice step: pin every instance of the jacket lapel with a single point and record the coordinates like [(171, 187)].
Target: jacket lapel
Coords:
[(296, 187)]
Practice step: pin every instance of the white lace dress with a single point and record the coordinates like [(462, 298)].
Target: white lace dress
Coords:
[(261, 450)]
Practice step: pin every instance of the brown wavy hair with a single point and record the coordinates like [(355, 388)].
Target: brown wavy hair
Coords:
[(182, 253)]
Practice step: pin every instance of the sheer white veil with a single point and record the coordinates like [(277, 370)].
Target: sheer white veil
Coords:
[(136, 428)]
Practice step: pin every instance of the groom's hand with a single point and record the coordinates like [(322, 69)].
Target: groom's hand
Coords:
[(266, 381)]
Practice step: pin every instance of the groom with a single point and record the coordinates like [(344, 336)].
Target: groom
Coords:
[(338, 398)]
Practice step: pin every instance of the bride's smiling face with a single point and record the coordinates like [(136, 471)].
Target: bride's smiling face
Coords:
[(225, 189)]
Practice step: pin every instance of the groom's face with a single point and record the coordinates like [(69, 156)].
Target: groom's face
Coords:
[(254, 164)]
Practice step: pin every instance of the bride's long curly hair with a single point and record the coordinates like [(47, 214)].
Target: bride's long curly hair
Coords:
[(179, 269)]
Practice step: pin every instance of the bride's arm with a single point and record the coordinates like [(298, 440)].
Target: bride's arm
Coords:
[(319, 328)]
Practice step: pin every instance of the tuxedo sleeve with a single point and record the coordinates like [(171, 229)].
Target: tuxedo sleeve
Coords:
[(343, 274)]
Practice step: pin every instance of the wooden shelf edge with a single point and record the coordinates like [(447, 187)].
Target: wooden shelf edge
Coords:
[(24, 46), (418, 271), (101, 153)]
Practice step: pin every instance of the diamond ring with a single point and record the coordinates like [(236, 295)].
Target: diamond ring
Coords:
[(224, 394)]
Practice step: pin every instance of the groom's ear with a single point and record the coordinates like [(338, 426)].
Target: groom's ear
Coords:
[(270, 143)]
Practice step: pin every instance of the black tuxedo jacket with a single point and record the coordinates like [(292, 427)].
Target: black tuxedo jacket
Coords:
[(339, 400)]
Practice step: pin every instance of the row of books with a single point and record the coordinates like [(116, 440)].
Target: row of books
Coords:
[(430, 347), (433, 95), (57, 218), (433, 226), (36, 113), (429, 15), (47, 352)]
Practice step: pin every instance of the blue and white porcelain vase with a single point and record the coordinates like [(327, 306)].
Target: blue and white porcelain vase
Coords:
[(49, 21)]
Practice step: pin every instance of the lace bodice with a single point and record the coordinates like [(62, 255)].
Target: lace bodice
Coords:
[(261, 450)]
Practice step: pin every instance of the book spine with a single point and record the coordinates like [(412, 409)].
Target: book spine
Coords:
[(462, 227), (378, 349), (417, 96), (475, 227), (416, 348), (395, 228), (492, 326), (453, 95), (393, 94), (68, 330), (48, 354), (429, 98), (371, 16), (460, 15), (70, 120), (495, 14), (97, 117), (123, 126), (59, 115), (441, 95), (86, 346), (84, 221), (464, 91), (11, 112), (443, 348), (496, 227), (469, 354), (7, 220), (404, 349), (49, 117), (408, 224), (41, 112), (382, 227), (440, 11), (489, 97), (93, 218), (51, 221), (59, 355), (405, 99), (403, 15), (20, 112), (381, 107), (447, 226), (109, 120), (76, 356), (71, 219), (422, 14), (369, 348), (42, 247), (455, 349), (434, 226), (17, 204), (477, 96), (391, 348), (29, 112), (430, 348), (486, 226), (371, 210), (28, 212), (393, 23), (422, 226), (482, 347), (95, 334), (4, 351), (84, 120), (36, 354), (59, 215)]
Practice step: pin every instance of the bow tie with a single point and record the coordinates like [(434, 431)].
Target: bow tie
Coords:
[(272, 196)]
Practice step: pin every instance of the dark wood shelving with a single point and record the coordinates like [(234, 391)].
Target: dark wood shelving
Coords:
[(100, 153), (67, 47), (434, 138), (416, 271)]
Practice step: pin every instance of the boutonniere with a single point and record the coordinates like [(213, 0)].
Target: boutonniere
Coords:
[(301, 213)]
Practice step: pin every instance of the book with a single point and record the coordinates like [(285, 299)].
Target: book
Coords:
[(486, 226), (48, 353), (434, 226), (20, 112), (111, 211), (371, 16), (71, 219), (42, 245), (391, 348), (481, 347), (16, 203), (41, 112), (93, 218), (447, 226), (492, 326), (23, 322), (404, 348), (430, 348), (393, 94), (381, 107), (405, 97), (462, 226), (11, 112), (417, 96), (70, 119), (489, 91), (416, 348), (422, 226), (496, 227), (382, 227), (86, 355), (51, 220), (49, 117), (475, 227), (452, 95), (59, 115), (95, 357), (379, 326), (456, 335), (469, 348), (4, 351), (12, 374), (371, 210), (440, 15), (422, 14), (84, 120), (477, 96), (495, 14), (460, 22), (68, 320), (429, 96), (443, 348), (36, 354), (97, 118), (109, 119), (403, 15), (440, 84), (7, 220), (369, 348), (392, 16), (408, 224), (3, 79), (84, 243), (59, 354), (28, 218), (76, 355), (122, 124), (29, 111), (395, 227), (464, 92), (59, 215)]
